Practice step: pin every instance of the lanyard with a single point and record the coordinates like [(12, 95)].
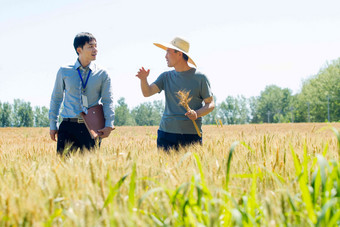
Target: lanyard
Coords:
[(87, 79)]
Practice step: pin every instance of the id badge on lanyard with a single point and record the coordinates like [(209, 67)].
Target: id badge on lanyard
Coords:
[(83, 96), (84, 100)]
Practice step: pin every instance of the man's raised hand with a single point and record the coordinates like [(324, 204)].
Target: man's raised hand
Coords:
[(142, 73)]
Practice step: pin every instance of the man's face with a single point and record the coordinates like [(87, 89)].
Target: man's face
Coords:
[(172, 57), (89, 51)]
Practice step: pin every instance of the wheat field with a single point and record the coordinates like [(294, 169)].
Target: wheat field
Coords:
[(242, 175)]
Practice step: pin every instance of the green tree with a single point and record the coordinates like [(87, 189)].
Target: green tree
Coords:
[(243, 110), (5, 115), (41, 117), (273, 105), (122, 114), (14, 114), (22, 114), (234, 110), (320, 94), (229, 110), (253, 106), (146, 114)]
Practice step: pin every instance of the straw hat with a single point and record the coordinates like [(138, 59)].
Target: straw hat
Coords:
[(177, 44)]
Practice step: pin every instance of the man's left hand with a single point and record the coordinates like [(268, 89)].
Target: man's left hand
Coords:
[(191, 114), (105, 131)]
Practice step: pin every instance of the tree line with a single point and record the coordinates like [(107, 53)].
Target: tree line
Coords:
[(318, 101), (22, 114)]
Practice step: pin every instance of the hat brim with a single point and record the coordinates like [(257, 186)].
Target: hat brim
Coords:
[(165, 46)]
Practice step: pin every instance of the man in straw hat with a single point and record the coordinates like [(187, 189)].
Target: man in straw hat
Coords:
[(176, 126)]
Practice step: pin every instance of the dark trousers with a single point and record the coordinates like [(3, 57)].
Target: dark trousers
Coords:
[(72, 135), (166, 140)]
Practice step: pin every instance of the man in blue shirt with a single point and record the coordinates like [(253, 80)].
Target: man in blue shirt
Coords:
[(176, 126), (79, 87)]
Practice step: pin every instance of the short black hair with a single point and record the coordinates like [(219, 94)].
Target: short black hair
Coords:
[(185, 57), (81, 39)]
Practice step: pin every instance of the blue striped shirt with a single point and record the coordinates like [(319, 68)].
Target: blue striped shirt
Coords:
[(67, 89)]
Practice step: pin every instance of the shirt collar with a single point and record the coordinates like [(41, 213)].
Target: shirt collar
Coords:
[(92, 65), (190, 71)]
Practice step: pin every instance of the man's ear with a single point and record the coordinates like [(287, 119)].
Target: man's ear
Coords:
[(79, 49)]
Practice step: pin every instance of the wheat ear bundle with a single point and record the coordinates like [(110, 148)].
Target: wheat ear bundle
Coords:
[(184, 100)]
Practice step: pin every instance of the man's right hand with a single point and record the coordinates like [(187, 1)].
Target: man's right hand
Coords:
[(53, 134), (143, 74), (147, 89)]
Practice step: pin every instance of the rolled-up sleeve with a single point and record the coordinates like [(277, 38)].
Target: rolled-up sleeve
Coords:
[(107, 100), (56, 100), (205, 88)]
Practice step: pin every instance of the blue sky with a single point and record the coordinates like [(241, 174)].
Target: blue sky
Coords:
[(242, 46)]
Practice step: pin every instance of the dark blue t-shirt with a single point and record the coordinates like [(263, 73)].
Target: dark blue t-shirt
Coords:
[(174, 120)]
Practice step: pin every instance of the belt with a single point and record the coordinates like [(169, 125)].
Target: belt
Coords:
[(77, 120)]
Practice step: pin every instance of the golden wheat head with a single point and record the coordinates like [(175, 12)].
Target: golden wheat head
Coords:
[(184, 98)]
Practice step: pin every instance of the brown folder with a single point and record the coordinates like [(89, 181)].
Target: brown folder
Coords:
[(94, 120)]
